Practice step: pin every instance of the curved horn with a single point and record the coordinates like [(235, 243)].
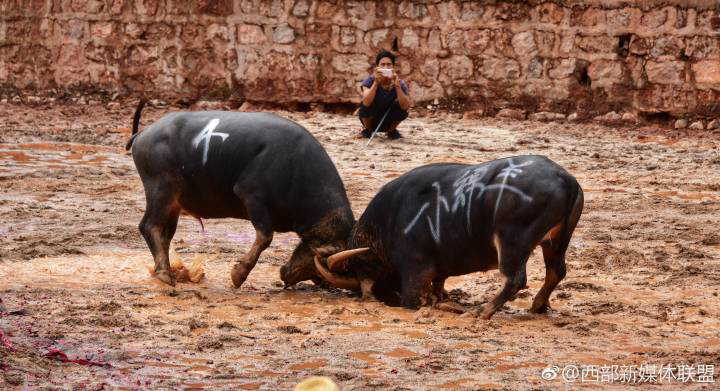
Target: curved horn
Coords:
[(334, 279), (343, 255)]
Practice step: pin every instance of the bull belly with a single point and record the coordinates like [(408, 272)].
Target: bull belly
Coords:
[(215, 209)]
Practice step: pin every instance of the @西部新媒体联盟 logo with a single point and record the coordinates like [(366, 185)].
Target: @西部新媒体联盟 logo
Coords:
[(550, 373)]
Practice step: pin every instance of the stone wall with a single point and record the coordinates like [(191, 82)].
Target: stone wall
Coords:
[(564, 56)]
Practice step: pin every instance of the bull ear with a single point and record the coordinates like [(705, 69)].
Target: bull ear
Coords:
[(325, 251)]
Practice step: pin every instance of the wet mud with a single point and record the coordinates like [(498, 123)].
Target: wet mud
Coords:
[(79, 308)]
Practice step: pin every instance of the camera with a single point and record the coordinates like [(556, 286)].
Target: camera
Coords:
[(386, 72)]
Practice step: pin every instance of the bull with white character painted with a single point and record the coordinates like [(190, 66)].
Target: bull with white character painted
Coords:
[(253, 166), (444, 220)]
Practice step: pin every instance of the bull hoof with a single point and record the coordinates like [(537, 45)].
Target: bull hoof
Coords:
[(239, 274), (486, 313), (166, 277), (540, 309)]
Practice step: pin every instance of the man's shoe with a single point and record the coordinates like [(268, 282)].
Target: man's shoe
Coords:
[(365, 133), (394, 135)]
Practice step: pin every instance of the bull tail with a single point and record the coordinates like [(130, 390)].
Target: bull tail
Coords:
[(574, 212), (136, 123)]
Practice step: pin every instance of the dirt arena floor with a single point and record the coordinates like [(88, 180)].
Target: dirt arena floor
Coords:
[(80, 310)]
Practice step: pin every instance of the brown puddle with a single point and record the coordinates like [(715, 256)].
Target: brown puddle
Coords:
[(17, 156), (455, 383), (366, 356), (400, 353), (687, 196), (315, 364), (507, 367)]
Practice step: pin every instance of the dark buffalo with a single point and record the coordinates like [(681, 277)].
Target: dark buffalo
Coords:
[(444, 220), (253, 166)]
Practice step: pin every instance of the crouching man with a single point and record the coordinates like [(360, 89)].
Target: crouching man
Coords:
[(385, 98)]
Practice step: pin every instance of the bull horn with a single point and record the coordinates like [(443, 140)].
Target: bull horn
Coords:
[(336, 280), (343, 255)]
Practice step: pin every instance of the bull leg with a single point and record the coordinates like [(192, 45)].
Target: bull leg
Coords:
[(554, 257), (439, 289), (416, 286), (242, 268), (158, 227), (260, 219), (512, 257)]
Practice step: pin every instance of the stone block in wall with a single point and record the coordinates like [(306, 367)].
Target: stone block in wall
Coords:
[(175, 7), (668, 72), (587, 17), (707, 74), (250, 34), (548, 13), (641, 45), (301, 8), (214, 7), (283, 34), (457, 68), (667, 46), (498, 68), (421, 93), (510, 12), (524, 44), (412, 10), (430, 68), (410, 39), (454, 40), (596, 44), (535, 68), (703, 47), (623, 18), (472, 11), (562, 68), (445, 11), (501, 44), (377, 38), (146, 7), (654, 18), (318, 34), (545, 43), (604, 73), (476, 40), (353, 64)]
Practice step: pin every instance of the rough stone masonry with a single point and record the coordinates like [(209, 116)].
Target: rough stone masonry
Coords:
[(563, 56)]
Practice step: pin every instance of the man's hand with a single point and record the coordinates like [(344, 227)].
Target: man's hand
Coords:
[(396, 80), (378, 75)]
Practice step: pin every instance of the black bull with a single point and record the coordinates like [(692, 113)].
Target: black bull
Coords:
[(444, 220), (253, 166)]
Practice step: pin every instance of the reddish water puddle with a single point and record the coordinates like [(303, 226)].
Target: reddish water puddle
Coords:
[(414, 334), (455, 383), (400, 353), (366, 356), (688, 196), (315, 364), (507, 367), (14, 155), (63, 147), (501, 355)]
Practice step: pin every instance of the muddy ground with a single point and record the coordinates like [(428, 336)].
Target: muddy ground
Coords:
[(642, 284)]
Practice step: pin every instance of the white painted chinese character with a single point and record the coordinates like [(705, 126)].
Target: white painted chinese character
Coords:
[(648, 373), (685, 373), (667, 372), (606, 375), (590, 373), (706, 373)]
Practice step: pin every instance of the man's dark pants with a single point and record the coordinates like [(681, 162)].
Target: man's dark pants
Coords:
[(396, 115)]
